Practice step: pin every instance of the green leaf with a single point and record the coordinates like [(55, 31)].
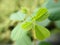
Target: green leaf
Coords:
[(53, 4), (24, 10), (43, 17), (54, 9), (41, 14), (20, 36), (18, 16), (24, 40), (44, 43), (41, 32), (17, 32), (44, 23), (54, 14), (27, 25)]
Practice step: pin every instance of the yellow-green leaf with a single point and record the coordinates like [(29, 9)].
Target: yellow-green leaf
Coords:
[(45, 16), (41, 14), (27, 25), (41, 32)]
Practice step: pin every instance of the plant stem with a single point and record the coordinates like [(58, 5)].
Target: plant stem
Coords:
[(34, 42), (32, 7), (34, 39)]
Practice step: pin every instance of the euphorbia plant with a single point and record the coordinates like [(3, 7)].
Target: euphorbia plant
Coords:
[(29, 22)]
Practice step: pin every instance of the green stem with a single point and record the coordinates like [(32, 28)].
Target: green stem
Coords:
[(33, 30)]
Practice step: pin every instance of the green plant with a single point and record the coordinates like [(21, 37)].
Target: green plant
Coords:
[(28, 22), (54, 9)]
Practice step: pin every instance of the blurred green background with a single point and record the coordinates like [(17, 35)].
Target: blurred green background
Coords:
[(7, 7)]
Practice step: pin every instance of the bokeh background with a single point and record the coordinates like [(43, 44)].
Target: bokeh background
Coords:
[(7, 7)]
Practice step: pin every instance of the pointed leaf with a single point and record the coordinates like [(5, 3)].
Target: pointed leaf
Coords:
[(41, 32)]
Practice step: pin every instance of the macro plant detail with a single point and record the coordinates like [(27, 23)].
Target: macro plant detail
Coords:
[(29, 23)]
